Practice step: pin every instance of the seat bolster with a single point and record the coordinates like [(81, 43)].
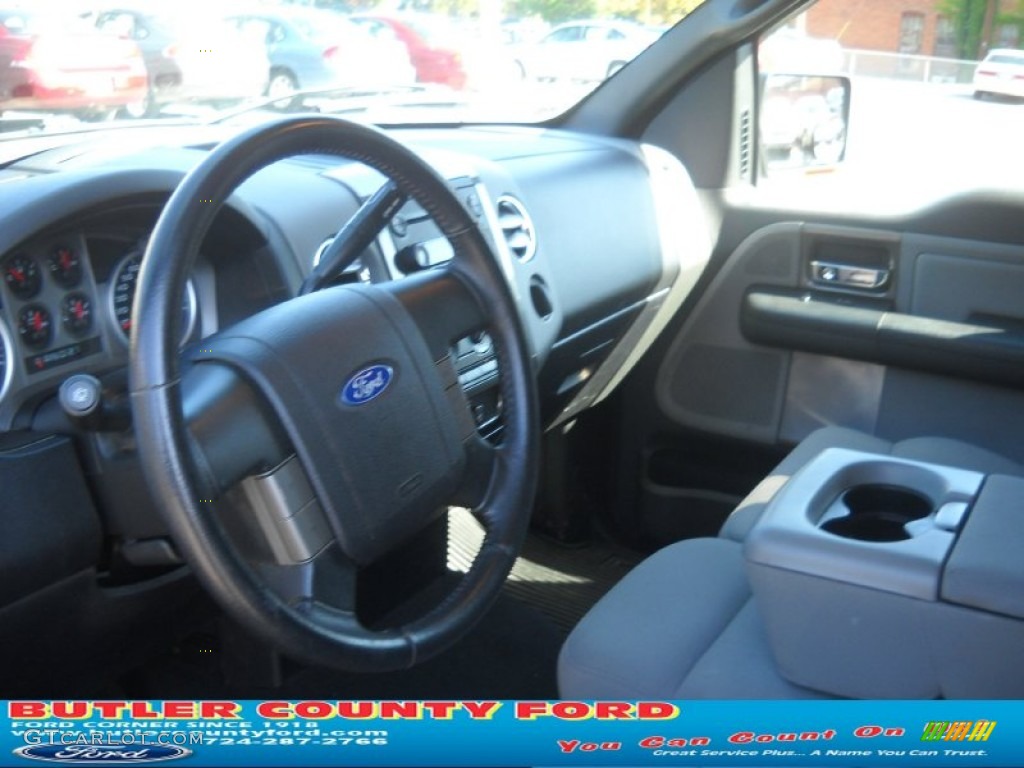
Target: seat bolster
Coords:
[(642, 639)]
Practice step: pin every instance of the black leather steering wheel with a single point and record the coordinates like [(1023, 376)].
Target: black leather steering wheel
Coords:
[(358, 383)]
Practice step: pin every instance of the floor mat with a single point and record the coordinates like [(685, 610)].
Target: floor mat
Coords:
[(561, 582), (510, 654)]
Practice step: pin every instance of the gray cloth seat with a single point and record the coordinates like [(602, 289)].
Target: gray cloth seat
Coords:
[(683, 624)]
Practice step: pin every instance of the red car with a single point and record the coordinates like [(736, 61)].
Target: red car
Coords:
[(50, 63), (429, 40)]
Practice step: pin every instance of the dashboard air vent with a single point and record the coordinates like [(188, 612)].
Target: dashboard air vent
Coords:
[(516, 227)]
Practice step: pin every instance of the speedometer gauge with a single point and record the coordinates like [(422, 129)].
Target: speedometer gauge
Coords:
[(122, 297)]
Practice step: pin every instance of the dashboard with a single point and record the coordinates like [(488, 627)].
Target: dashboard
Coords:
[(597, 238), (600, 242)]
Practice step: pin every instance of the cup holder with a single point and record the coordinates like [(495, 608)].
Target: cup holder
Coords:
[(878, 513)]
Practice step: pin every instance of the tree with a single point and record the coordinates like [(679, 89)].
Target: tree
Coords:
[(648, 11), (555, 11), (644, 11), (973, 25)]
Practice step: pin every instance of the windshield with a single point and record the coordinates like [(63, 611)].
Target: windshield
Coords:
[(396, 62)]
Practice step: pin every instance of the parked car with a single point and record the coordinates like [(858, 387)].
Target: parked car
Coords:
[(58, 64), (310, 48), (1000, 73), (431, 42), (583, 50), (187, 61)]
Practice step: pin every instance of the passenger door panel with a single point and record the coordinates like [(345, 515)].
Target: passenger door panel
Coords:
[(809, 324)]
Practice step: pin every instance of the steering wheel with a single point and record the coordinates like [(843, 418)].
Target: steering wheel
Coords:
[(355, 386)]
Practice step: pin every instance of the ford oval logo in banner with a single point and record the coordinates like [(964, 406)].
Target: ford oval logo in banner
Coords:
[(367, 384), (102, 755)]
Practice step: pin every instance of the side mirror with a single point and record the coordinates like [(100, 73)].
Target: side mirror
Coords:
[(802, 122)]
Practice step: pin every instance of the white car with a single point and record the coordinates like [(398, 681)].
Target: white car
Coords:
[(1000, 73), (186, 60), (583, 50)]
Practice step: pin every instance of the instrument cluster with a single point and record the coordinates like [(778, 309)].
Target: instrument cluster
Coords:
[(49, 310), (66, 306)]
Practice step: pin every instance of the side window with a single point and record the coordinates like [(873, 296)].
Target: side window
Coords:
[(603, 33), (565, 35), (915, 112), (378, 30), (945, 37), (1007, 36), (120, 24), (911, 32)]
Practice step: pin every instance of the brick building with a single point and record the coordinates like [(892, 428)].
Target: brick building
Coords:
[(896, 26)]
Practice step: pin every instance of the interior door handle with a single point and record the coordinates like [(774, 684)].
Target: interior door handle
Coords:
[(849, 276)]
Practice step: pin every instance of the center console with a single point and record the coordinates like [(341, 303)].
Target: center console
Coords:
[(882, 577)]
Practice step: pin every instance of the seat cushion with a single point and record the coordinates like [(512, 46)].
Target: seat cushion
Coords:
[(936, 450), (680, 625), (683, 623)]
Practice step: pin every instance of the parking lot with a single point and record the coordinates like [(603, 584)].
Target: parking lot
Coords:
[(936, 133)]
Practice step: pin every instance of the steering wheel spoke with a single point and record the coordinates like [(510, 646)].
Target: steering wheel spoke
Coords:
[(442, 306), (328, 578), (445, 310)]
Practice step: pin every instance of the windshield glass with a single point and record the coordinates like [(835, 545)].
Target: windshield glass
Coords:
[(395, 62)]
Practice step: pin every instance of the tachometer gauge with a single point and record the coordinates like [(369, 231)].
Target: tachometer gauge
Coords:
[(65, 266), (22, 276), (76, 313), (35, 326), (122, 296)]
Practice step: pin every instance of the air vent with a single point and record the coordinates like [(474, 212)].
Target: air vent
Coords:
[(516, 228), (745, 145)]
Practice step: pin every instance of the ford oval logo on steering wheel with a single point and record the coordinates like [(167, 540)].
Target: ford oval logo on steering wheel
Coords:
[(367, 384)]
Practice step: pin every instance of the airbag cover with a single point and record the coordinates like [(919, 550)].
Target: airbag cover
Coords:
[(356, 389)]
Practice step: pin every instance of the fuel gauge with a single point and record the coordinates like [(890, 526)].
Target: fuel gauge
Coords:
[(65, 266), (35, 327)]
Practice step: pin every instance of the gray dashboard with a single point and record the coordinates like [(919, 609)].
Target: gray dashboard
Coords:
[(575, 221)]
